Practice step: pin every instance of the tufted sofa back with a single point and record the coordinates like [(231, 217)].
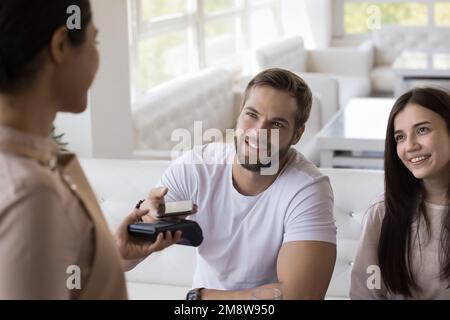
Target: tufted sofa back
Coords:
[(354, 191), (288, 53), (389, 41), (119, 184), (205, 96)]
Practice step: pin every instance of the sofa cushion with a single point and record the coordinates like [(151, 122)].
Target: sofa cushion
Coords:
[(354, 191), (390, 41), (149, 291), (383, 79), (351, 61), (288, 53), (173, 266), (206, 96)]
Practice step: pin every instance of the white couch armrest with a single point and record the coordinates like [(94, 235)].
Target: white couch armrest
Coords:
[(308, 142), (326, 88)]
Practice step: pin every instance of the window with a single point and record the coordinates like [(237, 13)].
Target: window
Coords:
[(161, 8), (220, 31), (173, 37), (442, 14), (162, 58), (218, 5), (360, 17), (220, 40), (262, 26)]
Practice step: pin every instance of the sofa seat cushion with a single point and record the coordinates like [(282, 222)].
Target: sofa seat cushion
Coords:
[(383, 79), (164, 267), (150, 291), (352, 87)]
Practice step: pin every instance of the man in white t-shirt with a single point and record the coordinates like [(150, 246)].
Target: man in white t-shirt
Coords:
[(260, 228)]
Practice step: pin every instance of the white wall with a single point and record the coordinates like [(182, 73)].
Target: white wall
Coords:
[(319, 15), (310, 19), (295, 20), (112, 133)]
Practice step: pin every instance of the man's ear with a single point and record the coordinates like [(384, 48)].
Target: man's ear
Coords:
[(298, 134), (59, 45)]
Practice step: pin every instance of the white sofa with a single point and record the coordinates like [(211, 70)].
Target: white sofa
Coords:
[(349, 67), (388, 43), (207, 96), (119, 184)]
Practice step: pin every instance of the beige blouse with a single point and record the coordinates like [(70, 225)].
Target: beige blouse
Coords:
[(425, 258), (54, 241)]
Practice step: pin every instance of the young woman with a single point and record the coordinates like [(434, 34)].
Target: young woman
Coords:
[(51, 227), (405, 247)]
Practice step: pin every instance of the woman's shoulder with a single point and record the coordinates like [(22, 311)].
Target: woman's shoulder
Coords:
[(376, 211), (20, 176)]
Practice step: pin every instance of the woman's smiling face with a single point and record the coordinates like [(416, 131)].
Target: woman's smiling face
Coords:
[(423, 142)]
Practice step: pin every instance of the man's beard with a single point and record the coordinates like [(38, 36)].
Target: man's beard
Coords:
[(275, 156)]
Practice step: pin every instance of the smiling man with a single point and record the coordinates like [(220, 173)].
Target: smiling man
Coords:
[(261, 229)]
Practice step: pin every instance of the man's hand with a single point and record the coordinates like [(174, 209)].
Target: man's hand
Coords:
[(134, 250), (154, 203)]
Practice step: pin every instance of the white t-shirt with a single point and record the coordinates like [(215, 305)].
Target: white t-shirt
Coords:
[(243, 234), (425, 257)]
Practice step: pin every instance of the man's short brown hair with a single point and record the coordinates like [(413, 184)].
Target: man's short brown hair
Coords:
[(287, 81)]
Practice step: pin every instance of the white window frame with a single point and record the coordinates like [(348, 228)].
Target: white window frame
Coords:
[(338, 18), (195, 19)]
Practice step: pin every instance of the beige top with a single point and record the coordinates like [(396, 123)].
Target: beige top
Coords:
[(51, 225), (426, 265)]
